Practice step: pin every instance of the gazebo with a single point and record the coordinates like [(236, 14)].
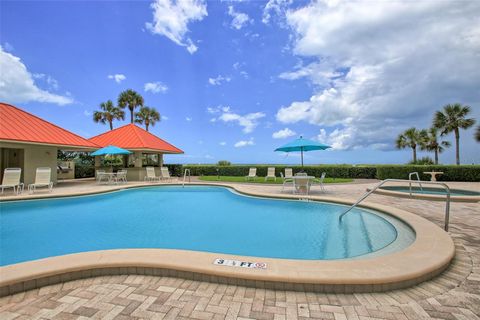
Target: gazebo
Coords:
[(147, 149)]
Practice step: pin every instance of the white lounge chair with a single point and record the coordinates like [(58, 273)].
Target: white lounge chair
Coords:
[(43, 178), (320, 181), (151, 175), (271, 174), (165, 174), (11, 179), (287, 178), (252, 174)]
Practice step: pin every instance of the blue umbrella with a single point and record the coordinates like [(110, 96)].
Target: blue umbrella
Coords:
[(110, 150), (302, 145)]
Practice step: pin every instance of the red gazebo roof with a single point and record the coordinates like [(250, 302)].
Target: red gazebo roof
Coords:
[(20, 126), (131, 137)]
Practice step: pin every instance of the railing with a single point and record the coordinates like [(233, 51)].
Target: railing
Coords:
[(447, 205), (410, 179), (185, 173)]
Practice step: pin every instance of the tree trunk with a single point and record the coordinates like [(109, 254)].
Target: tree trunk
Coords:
[(414, 149), (457, 145), (146, 126), (111, 125), (436, 155), (131, 115)]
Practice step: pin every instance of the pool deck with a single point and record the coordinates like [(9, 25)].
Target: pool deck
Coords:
[(455, 294)]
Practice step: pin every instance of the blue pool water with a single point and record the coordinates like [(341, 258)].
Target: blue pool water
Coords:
[(436, 191), (212, 219)]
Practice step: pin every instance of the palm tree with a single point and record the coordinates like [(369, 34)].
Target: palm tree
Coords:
[(477, 134), (131, 99), (432, 143), (453, 119), (411, 138), (147, 116), (108, 113)]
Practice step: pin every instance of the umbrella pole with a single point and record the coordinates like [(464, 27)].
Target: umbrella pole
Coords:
[(302, 155)]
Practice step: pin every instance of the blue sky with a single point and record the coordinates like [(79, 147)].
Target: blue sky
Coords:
[(235, 79)]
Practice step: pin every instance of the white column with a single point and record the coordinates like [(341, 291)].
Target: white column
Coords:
[(138, 159)]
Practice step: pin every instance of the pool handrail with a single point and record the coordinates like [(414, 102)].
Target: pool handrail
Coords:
[(185, 177), (418, 179), (447, 205)]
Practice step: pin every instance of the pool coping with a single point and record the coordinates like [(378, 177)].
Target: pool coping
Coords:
[(431, 197), (430, 253)]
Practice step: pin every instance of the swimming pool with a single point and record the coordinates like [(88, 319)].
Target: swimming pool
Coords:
[(433, 191), (200, 218)]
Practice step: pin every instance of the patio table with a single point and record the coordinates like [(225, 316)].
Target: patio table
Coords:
[(111, 177), (302, 184), (433, 175)]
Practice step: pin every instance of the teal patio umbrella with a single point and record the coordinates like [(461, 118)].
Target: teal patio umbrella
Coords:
[(110, 150), (302, 145)]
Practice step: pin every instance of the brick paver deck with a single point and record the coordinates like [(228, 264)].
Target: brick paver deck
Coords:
[(455, 294)]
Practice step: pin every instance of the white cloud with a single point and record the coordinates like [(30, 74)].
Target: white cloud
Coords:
[(218, 109), (17, 84), (8, 47), (171, 19), (223, 143), (188, 119), (239, 19), (155, 87), (165, 118), (118, 77), (244, 143), (87, 113), (284, 133), (275, 8), (382, 66), (49, 80), (218, 80)]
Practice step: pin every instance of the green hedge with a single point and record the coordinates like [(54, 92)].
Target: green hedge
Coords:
[(451, 172), (469, 173), (334, 171)]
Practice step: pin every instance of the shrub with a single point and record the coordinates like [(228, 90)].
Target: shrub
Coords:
[(84, 171), (422, 161), (224, 163), (175, 169), (450, 172), (333, 171)]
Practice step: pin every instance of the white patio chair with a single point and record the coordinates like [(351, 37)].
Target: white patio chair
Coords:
[(11, 179), (271, 174), (287, 178), (101, 175), (122, 175), (252, 174), (320, 181), (151, 175), (165, 174), (43, 178), (302, 185)]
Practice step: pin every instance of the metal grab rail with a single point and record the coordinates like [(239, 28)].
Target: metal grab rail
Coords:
[(447, 206), (185, 176), (418, 179)]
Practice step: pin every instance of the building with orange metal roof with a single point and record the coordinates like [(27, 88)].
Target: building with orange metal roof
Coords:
[(148, 149), (28, 142)]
